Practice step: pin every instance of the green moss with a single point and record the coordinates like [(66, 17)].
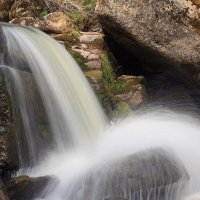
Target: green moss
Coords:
[(73, 34), (79, 59), (111, 85), (97, 74), (121, 109)]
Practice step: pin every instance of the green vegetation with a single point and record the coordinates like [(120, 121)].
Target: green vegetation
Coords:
[(77, 19), (84, 16), (73, 34), (121, 109), (43, 13), (110, 84), (79, 59), (89, 5), (110, 87)]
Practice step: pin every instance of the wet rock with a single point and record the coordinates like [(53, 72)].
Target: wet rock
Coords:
[(121, 109), (151, 174), (160, 32), (94, 77), (3, 194), (35, 116), (8, 158), (26, 188), (56, 22), (135, 94)]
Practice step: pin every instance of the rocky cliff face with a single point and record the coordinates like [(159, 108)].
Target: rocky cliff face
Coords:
[(162, 32)]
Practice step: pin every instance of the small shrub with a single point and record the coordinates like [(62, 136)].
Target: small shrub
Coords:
[(89, 5), (77, 18), (73, 35), (43, 13), (111, 85)]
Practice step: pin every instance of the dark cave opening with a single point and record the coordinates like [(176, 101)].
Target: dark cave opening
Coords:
[(168, 88), (124, 62)]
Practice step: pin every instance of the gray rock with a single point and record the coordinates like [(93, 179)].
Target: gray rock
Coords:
[(161, 32), (26, 188), (154, 174), (8, 158)]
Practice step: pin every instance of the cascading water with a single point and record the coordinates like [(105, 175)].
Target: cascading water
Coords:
[(74, 115), (146, 157)]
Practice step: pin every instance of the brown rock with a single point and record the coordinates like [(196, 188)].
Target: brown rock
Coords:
[(196, 2), (4, 16), (94, 38), (26, 8), (54, 22), (131, 80), (135, 96), (135, 93), (3, 5), (58, 22), (94, 64)]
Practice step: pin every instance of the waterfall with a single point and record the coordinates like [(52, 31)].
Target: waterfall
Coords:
[(74, 115), (63, 132)]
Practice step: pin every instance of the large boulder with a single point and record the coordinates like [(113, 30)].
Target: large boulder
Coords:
[(56, 22), (164, 33), (26, 188), (154, 174)]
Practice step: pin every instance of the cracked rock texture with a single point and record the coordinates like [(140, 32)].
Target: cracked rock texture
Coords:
[(164, 33)]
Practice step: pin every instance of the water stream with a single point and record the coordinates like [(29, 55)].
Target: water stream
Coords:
[(153, 155)]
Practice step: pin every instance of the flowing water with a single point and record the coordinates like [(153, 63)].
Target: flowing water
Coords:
[(153, 155)]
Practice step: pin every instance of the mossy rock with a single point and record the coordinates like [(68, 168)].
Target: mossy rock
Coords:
[(78, 58), (121, 109), (94, 74)]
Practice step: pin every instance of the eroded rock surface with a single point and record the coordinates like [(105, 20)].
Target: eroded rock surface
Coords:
[(56, 22), (26, 188), (161, 32), (136, 91), (152, 174), (8, 157)]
